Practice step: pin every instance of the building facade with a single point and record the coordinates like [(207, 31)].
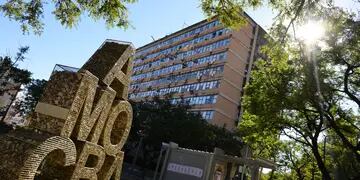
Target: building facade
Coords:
[(204, 64)]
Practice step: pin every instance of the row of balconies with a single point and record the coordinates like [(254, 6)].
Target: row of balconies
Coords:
[(187, 59), (183, 71), (186, 69), (182, 40), (184, 49)]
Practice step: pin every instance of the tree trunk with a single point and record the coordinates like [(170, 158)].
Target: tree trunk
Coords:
[(299, 174), (320, 162), (271, 175)]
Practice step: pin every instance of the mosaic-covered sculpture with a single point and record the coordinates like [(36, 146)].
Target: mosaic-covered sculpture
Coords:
[(80, 123)]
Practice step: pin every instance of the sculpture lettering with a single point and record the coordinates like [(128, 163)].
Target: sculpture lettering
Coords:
[(87, 112)]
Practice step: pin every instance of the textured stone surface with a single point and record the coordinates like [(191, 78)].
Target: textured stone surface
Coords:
[(82, 102), (59, 91), (24, 150), (112, 167), (116, 70), (117, 128), (61, 88), (90, 160), (40, 152), (109, 61)]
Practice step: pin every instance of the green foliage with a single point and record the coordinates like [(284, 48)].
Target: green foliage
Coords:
[(341, 160), (32, 94), (30, 13), (296, 162), (27, 13), (12, 77), (159, 121), (231, 12), (302, 94), (115, 13), (9, 71)]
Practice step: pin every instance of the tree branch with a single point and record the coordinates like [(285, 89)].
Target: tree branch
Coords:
[(306, 142), (348, 73), (343, 138), (297, 13)]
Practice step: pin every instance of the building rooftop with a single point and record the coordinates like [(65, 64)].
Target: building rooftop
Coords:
[(188, 28)]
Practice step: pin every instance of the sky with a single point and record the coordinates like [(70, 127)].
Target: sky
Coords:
[(72, 47)]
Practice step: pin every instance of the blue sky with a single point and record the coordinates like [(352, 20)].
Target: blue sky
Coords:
[(58, 45)]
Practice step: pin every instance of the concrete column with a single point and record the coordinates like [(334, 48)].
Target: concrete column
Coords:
[(167, 155), (254, 172)]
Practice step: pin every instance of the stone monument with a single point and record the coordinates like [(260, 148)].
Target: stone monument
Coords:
[(80, 123)]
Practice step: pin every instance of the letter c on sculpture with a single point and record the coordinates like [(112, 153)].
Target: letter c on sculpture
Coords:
[(39, 154)]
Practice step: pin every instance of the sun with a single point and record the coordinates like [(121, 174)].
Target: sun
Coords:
[(310, 32)]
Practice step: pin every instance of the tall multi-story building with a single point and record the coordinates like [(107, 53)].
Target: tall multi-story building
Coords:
[(204, 64)]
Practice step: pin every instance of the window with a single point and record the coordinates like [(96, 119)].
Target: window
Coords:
[(179, 89), (173, 68), (140, 58), (206, 115), (209, 115)]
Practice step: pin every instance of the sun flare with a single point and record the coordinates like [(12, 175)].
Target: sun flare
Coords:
[(311, 31)]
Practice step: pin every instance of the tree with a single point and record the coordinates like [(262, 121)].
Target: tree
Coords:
[(15, 80), (32, 94), (341, 160), (293, 96), (343, 54), (9, 70), (158, 121), (277, 98), (12, 77), (298, 160), (30, 13), (230, 12)]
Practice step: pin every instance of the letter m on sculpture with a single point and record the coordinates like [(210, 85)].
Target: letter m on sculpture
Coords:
[(105, 75)]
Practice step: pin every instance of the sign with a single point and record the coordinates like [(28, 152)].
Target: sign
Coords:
[(187, 170)]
